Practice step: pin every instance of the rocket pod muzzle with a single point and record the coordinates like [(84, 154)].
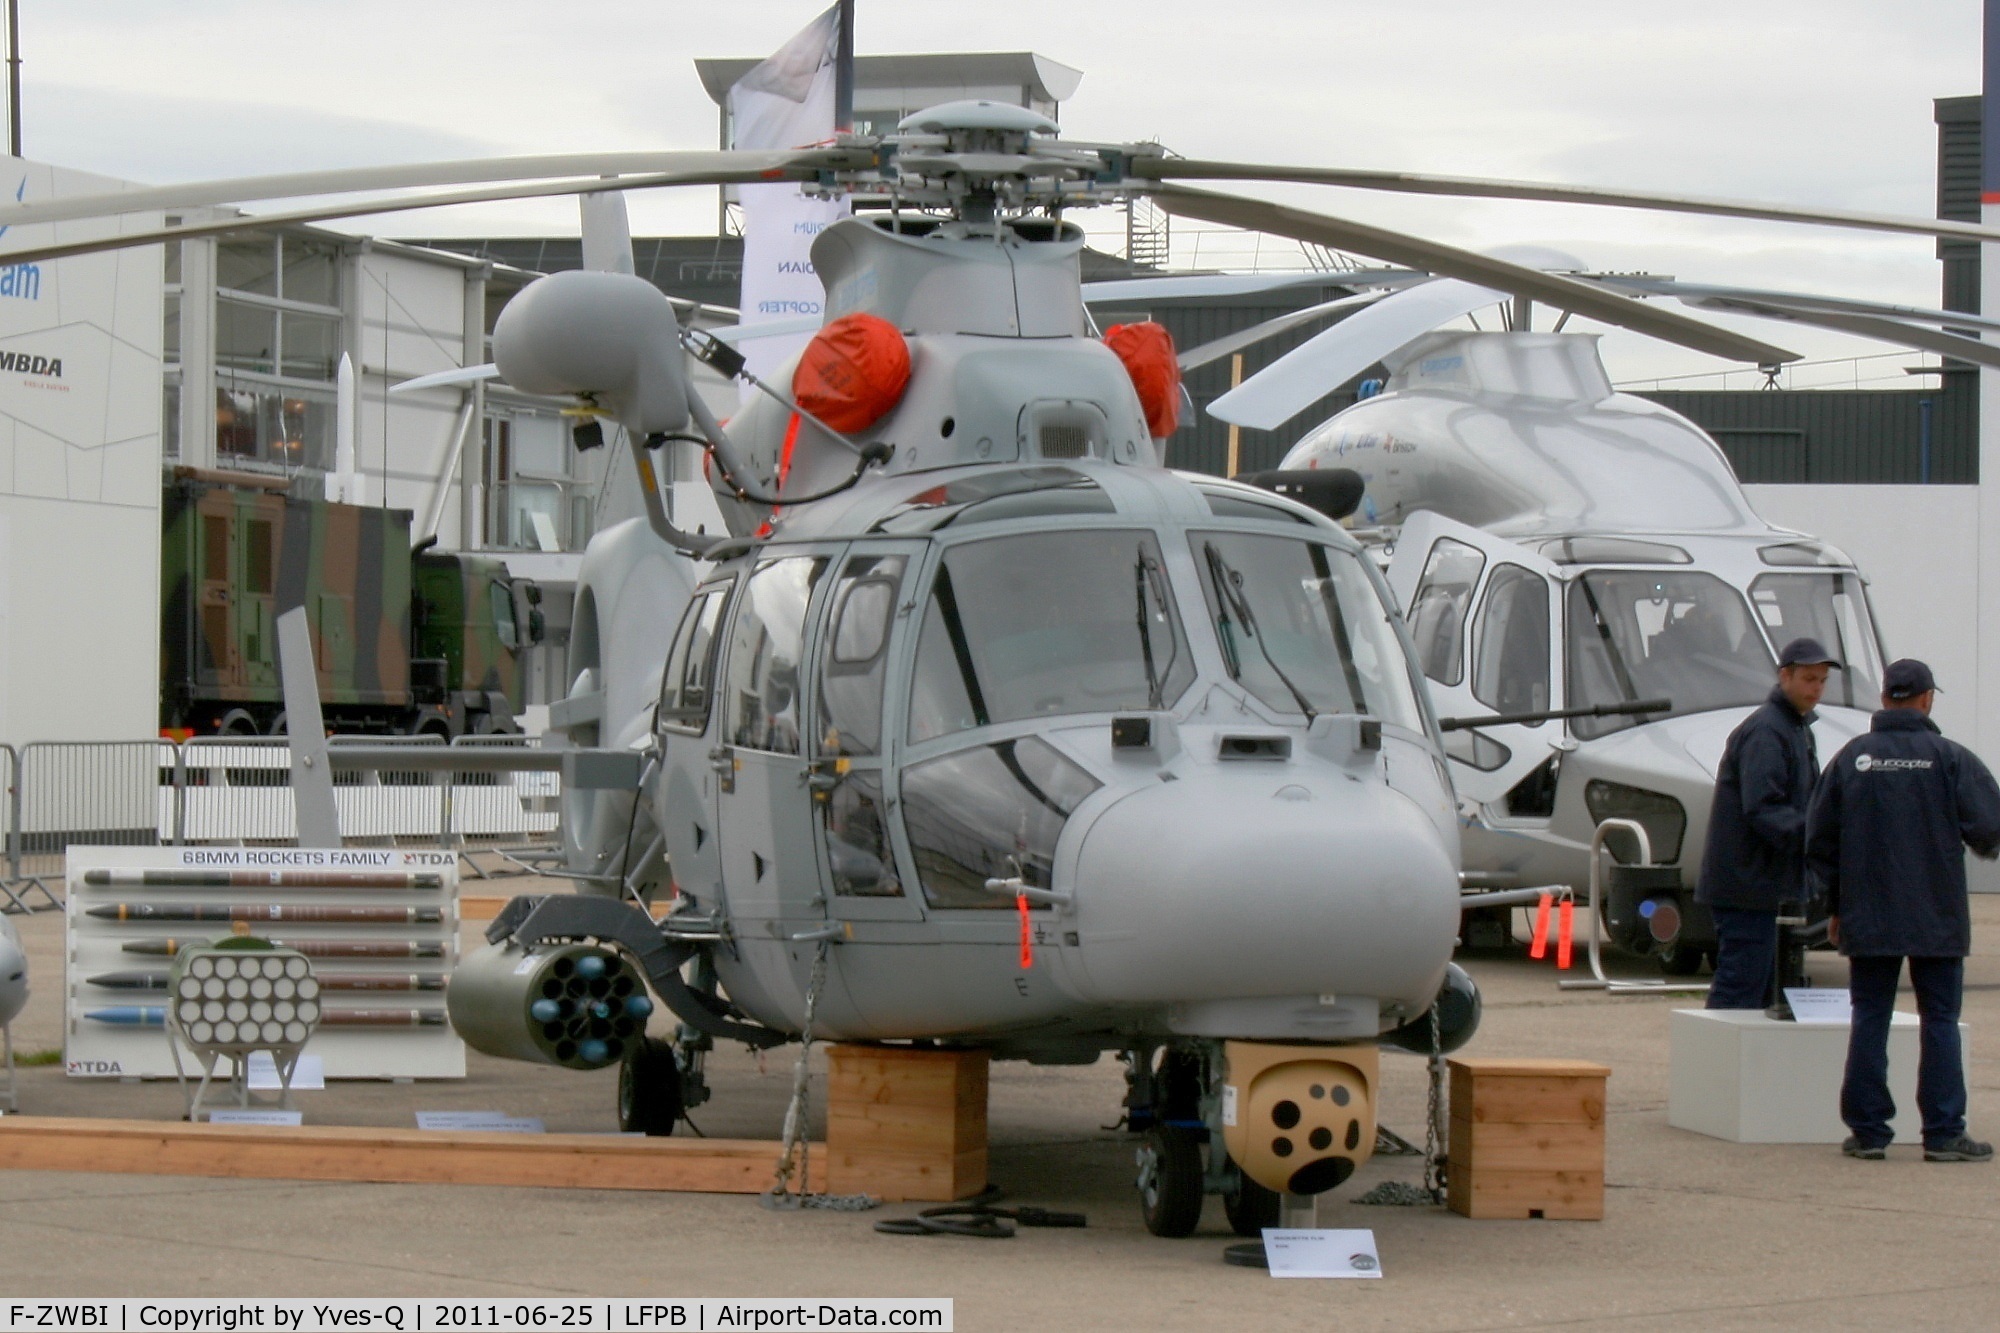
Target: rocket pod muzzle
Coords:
[(574, 1005)]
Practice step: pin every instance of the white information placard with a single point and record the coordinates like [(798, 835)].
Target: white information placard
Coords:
[(497, 1121), (1321, 1253), (309, 1075), (1819, 1004)]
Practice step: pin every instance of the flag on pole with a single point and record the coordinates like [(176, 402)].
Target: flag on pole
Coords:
[(788, 101)]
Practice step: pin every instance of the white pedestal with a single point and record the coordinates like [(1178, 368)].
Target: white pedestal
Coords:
[(1737, 1075)]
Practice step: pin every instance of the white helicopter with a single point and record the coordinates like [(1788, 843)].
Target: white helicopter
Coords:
[(981, 726), (1562, 549)]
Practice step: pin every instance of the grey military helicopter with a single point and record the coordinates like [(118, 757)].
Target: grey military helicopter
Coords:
[(1559, 547), (979, 725)]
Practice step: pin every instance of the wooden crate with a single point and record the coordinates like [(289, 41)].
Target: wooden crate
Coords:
[(1527, 1139), (906, 1124), (407, 1156)]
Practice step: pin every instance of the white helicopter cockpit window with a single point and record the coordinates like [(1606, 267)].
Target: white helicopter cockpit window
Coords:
[(762, 672), (1045, 624), (1303, 628), (1645, 634), (1829, 606), (990, 812), (854, 657), (1437, 611), (684, 684), (1510, 658)]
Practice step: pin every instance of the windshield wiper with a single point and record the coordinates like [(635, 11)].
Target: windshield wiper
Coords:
[(1229, 592), (1145, 573), (1623, 674)]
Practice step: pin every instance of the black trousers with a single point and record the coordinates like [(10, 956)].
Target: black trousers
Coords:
[(1865, 1103), (1746, 954)]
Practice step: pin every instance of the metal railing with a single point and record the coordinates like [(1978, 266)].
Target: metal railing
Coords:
[(238, 791)]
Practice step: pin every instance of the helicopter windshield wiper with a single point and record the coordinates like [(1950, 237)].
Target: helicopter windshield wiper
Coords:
[(1145, 575), (1626, 690), (1229, 592)]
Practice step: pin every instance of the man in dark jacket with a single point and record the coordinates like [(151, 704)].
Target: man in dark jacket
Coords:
[(1755, 858), (1883, 839)]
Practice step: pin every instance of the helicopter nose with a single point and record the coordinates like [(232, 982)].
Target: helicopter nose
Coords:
[(1257, 882)]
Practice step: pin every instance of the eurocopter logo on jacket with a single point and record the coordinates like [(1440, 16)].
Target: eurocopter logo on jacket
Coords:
[(1868, 763)]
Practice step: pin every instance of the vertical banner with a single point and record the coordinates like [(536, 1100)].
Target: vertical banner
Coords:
[(1986, 738), (788, 101)]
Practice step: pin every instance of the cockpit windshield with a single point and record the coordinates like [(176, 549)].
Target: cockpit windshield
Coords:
[(1043, 624), (1827, 605), (1303, 629), (1650, 634)]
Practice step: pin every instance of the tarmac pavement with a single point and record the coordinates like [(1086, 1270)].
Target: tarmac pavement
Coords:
[(1697, 1232)]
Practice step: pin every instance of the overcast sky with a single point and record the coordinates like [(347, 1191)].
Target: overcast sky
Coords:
[(1822, 102)]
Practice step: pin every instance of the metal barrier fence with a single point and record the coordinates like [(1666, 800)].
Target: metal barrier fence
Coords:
[(238, 790)]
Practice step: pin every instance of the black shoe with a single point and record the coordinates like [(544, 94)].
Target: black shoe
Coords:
[(1867, 1152), (1964, 1148)]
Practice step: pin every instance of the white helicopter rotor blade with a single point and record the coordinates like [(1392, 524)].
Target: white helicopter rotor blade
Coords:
[(1183, 285), (726, 165), (1583, 298), (1321, 364), (607, 232), (1838, 305), (1477, 187), (1867, 326), (351, 208), (1196, 357), (443, 378)]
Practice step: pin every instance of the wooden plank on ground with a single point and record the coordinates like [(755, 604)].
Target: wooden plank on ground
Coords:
[(401, 1156)]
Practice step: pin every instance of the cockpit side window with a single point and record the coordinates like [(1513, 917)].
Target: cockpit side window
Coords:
[(856, 655), (1044, 624), (1831, 607), (1437, 611), (761, 681), (684, 685), (1510, 659)]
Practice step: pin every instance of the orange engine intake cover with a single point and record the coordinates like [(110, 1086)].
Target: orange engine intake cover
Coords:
[(1148, 353), (853, 371)]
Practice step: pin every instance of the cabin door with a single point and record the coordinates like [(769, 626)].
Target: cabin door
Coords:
[(1485, 616)]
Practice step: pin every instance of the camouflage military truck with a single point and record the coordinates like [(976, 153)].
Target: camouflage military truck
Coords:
[(404, 641)]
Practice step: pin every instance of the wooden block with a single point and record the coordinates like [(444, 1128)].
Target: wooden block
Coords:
[(1526, 1147), (1528, 1091), (398, 1156), (1484, 1193), (906, 1124)]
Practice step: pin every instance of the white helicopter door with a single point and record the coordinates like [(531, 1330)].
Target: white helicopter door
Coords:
[(1485, 616), (852, 793), (765, 825)]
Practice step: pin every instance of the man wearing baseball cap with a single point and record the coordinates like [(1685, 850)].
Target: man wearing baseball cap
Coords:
[(1883, 839), (1755, 857)]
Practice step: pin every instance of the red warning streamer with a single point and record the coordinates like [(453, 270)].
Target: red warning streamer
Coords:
[(1563, 934), (1027, 932), (1540, 945)]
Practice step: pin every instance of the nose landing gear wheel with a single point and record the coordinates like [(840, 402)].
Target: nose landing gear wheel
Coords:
[(1170, 1181), (649, 1089), (1250, 1206)]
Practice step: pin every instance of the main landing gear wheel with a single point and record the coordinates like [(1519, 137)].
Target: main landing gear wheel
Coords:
[(649, 1089), (1680, 959), (1170, 1181), (1250, 1206)]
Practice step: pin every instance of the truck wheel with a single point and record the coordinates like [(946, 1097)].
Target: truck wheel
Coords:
[(1170, 1181), (649, 1089)]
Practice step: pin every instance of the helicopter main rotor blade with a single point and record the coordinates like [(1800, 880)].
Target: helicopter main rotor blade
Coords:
[(1867, 326), (1182, 286), (1321, 364), (1839, 305), (1166, 168), (356, 208), (1196, 357), (727, 166), (1583, 298)]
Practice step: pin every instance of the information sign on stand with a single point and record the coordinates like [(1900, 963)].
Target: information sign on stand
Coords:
[(380, 926), (1819, 1005)]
